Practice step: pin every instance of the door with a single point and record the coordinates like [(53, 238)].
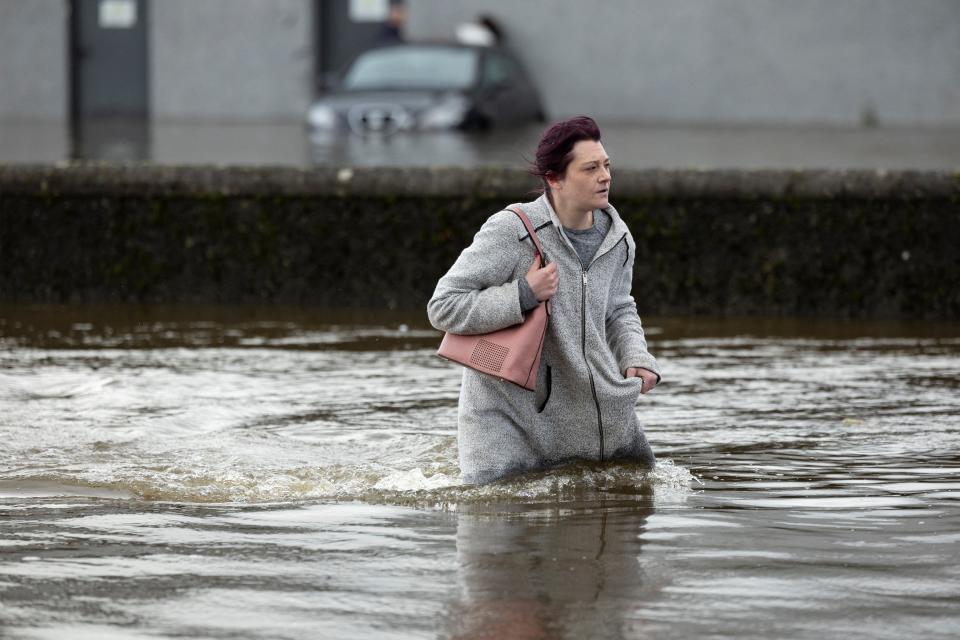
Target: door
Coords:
[(109, 62), (506, 95), (346, 28), (108, 80)]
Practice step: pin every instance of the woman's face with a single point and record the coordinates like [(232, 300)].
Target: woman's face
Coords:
[(586, 183)]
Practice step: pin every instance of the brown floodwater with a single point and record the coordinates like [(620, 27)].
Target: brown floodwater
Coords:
[(223, 472)]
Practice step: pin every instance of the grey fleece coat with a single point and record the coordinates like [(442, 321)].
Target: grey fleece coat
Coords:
[(584, 407)]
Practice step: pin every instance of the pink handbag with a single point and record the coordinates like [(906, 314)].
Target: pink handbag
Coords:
[(511, 354)]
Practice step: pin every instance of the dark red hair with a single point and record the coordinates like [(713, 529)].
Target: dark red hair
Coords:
[(555, 150)]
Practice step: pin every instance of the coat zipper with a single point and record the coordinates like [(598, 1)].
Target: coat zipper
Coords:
[(583, 340), (586, 363)]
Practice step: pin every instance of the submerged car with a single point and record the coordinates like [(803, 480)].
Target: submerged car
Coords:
[(428, 87)]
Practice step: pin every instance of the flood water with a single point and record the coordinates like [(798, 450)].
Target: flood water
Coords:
[(197, 472), (632, 146)]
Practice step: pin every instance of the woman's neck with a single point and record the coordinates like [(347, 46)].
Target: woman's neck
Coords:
[(570, 216)]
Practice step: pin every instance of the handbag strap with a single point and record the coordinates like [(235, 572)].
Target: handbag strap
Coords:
[(536, 243), (533, 234)]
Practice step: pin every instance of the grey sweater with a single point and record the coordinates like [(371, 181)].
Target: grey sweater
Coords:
[(584, 241), (584, 407)]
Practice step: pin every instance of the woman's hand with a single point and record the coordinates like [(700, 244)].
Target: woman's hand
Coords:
[(543, 282), (649, 378)]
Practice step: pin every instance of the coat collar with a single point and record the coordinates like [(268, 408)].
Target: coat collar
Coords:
[(540, 211)]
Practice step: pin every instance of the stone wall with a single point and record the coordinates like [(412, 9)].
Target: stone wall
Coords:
[(810, 243)]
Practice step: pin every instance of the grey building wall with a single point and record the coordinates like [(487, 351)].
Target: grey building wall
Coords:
[(730, 61), (696, 61), (33, 60), (231, 59)]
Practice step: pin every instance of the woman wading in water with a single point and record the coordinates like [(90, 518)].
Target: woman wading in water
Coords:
[(595, 360)]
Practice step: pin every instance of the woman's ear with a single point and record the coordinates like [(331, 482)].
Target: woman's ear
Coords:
[(554, 180)]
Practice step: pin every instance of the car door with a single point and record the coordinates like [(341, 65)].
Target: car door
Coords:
[(506, 96)]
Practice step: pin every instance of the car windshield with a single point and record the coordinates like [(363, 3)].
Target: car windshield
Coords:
[(413, 68)]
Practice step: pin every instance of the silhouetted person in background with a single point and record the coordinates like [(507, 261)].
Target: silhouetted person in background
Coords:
[(392, 31)]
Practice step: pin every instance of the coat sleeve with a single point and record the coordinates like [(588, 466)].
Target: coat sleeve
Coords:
[(478, 294), (624, 330)]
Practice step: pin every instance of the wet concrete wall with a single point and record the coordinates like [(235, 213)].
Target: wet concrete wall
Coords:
[(812, 243), (737, 61), (231, 59), (33, 61)]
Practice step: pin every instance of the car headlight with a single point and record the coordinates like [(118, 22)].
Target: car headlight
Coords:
[(446, 114), (322, 116)]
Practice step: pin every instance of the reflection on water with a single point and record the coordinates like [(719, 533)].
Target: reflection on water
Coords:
[(557, 570), (630, 146), (212, 472), (117, 140)]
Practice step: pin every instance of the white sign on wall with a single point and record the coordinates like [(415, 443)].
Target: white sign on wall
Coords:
[(369, 10), (117, 14)]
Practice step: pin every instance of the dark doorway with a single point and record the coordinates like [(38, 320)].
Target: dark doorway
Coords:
[(346, 28), (108, 79)]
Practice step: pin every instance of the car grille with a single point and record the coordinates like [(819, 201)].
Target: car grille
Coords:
[(382, 119)]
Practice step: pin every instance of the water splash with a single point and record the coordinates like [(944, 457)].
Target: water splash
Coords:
[(375, 484)]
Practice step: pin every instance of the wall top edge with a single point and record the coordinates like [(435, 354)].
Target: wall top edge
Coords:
[(508, 183)]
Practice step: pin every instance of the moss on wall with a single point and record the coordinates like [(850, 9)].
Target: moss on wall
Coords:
[(842, 244)]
